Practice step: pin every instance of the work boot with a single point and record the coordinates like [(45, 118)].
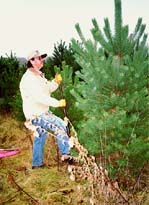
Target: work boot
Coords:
[(36, 167), (69, 159)]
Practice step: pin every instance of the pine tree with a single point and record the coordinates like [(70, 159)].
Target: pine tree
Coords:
[(61, 53), (9, 81), (112, 94)]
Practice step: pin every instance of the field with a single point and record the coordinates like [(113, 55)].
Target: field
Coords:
[(20, 184)]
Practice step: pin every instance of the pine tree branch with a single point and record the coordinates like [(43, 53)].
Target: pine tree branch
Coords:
[(118, 21), (108, 34), (137, 28), (98, 36), (118, 27), (143, 42), (77, 26)]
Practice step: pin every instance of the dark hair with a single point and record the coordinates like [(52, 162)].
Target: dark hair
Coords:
[(29, 65)]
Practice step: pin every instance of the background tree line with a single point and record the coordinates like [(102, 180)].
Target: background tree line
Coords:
[(105, 83)]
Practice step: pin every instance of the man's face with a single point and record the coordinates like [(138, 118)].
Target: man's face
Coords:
[(37, 62)]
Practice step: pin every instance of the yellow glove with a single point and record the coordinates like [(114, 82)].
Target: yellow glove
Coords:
[(62, 103), (58, 78)]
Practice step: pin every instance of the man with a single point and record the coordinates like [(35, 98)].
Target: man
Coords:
[(35, 91)]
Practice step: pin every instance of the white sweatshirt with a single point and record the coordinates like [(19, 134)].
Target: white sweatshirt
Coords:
[(35, 92)]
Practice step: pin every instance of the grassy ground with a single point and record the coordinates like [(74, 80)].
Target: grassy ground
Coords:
[(20, 184)]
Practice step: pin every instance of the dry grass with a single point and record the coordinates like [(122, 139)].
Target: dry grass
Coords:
[(45, 185), (19, 184)]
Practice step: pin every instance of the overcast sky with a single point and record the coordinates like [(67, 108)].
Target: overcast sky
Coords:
[(26, 25)]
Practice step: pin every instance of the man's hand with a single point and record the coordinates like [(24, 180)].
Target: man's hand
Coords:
[(58, 78), (62, 103)]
